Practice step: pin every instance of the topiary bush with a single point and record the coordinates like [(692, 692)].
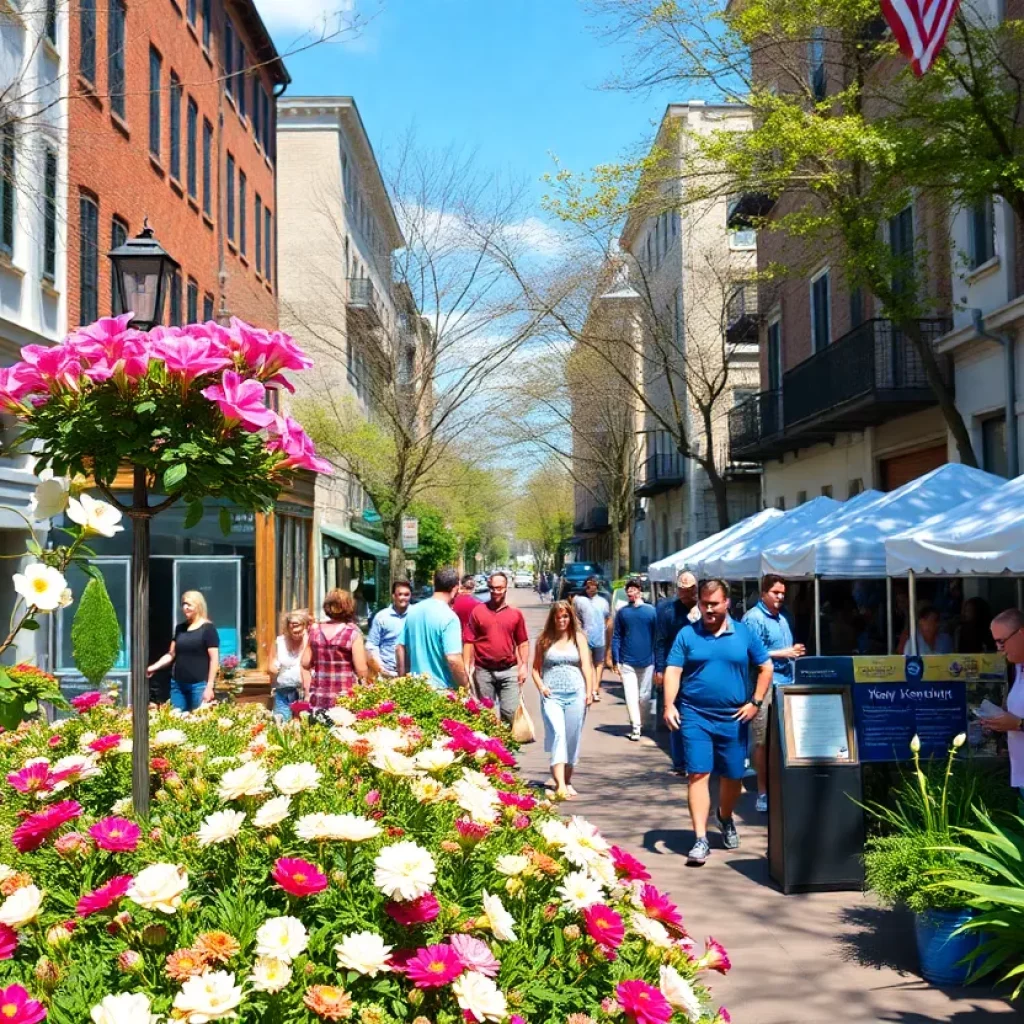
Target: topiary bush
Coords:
[(95, 633)]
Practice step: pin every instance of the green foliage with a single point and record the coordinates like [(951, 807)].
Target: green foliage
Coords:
[(22, 687), (438, 545), (544, 513), (95, 633)]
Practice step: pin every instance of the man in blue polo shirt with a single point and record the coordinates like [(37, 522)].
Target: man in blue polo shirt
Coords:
[(771, 624), (707, 697), (386, 628)]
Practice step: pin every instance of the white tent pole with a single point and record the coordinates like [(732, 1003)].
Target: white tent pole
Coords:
[(888, 615), (817, 615), (912, 608)]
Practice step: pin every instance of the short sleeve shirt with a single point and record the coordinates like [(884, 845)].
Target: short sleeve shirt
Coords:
[(716, 669), (495, 634), (191, 652), (431, 631), (775, 634), (593, 613)]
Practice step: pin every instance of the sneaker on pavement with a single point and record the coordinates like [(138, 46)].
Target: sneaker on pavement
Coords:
[(730, 837), (634, 734), (700, 852), (762, 803)]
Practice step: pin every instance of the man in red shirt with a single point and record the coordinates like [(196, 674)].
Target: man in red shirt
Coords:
[(496, 642), (465, 602)]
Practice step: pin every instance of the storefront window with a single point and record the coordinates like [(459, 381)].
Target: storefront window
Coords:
[(293, 538), (351, 570)]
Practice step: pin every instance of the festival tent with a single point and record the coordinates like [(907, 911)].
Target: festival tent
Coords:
[(740, 558), (855, 549), (983, 538), (665, 569)]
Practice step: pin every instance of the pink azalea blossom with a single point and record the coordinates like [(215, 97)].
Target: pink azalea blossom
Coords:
[(241, 401), (18, 1007), (643, 1003), (434, 966), (36, 828), (106, 896), (189, 356), (118, 835), (475, 954), (32, 778), (8, 941), (414, 912)]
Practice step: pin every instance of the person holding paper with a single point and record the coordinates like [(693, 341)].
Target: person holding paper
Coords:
[(707, 698), (1008, 633)]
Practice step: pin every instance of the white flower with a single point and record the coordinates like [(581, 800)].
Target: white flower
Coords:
[(6, 871), (434, 759), (41, 586), (273, 812), (282, 938), (393, 763), (21, 907), (67, 598), (345, 733), (480, 804), (579, 890), (602, 870), (479, 995), (296, 778), (350, 828), (249, 779), (220, 826), (96, 516), (679, 992), (122, 806), (77, 768), (270, 974), (554, 832), (168, 738), (426, 790), (653, 931), (124, 1008), (404, 871), (50, 497), (511, 864), (364, 952), (503, 924), (159, 887), (587, 835), (224, 723), (383, 737), (341, 716), (209, 996)]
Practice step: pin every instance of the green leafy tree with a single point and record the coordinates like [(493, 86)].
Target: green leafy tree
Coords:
[(544, 514), (95, 633), (438, 545)]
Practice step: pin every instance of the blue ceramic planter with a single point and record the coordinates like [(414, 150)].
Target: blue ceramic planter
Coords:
[(940, 951)]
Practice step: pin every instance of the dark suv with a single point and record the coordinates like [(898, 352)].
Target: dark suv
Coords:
[(574, 575)]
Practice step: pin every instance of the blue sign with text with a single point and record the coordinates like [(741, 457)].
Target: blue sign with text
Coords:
[(888, 716)]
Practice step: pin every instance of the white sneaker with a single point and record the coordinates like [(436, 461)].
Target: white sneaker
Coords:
[(762, 803)]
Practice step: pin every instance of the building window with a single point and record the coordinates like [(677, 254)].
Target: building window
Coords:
[(743, 238), (256, 129), (854, 487), (240, 65), (191, 126), (241, 212), (266, 244), (993, 445), (265, 118), (115, 56), (826, 490), (207, 23), (677, 320), (87, 40), (175, 123), (257, 223), (901, 246), (801, 497), (207, 160), (155, 65), (856, 307), (50, 216), (88, 259), (207, 307), (775, 355), (231, 196), (118, 236), (293, 569), (741, 395), (816, 60), (821, 311), (780, 503), (982, 221), (192, 302), (51, 21), (190, 11), (229, 57), (8, 157), (174, 313)]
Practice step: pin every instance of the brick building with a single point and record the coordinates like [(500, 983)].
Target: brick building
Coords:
[(173, 118)]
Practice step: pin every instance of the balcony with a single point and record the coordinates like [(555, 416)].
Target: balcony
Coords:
[(870, 375), (660, 472), (364, 305), (597, 518), (743, 209), (741, 316)]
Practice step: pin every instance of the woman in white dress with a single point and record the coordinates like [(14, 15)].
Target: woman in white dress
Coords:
[(286, 662)]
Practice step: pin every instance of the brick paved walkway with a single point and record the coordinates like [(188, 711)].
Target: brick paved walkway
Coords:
[(820, 958)]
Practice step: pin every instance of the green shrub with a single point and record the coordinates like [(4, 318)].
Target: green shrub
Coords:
[(95, 633)]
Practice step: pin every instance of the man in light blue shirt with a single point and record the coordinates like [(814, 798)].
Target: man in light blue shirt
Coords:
[(430, 643), (594, 614), (386, 628)]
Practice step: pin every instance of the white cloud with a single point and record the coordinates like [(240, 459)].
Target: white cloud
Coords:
[(540, 237), (311, 18)]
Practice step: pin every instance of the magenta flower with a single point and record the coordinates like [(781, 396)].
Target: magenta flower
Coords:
[(118, 835), (189, 356), (18, 1007), (628, 866), (269, 352), (241, 401), (127, 359), (497, 749), (103, 744), (300, 453), (715, 957), (604, 925), (434, 966), (414, 912), (95, 338), (470, 832), (87, 701), (658, 906), (475, 955), (299, 877), (106, 896), (15, 384), (8, 941), (36, 828), (643, 1003), (723, 1016), (522, 801), (53, 365), (35, 777)]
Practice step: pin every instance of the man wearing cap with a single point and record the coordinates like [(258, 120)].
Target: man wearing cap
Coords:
[(672, 614)]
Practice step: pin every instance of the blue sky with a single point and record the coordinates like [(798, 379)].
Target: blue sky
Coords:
[(516, 79)]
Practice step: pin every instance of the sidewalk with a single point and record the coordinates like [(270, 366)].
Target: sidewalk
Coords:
[(819, 958)]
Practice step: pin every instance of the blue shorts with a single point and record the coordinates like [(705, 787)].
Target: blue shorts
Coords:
[(713, 745)]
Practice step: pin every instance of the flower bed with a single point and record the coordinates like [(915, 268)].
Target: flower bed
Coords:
[(388, 865)]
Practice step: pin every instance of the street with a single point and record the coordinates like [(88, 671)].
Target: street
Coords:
[(801, 959)]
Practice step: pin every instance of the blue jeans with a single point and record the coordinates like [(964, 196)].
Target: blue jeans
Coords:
[(563, 715), (186, 696), (283, 698)]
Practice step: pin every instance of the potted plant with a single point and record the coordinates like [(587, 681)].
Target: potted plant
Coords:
[(21, 690)]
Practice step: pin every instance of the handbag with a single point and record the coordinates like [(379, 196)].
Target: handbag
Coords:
[(522, 725)]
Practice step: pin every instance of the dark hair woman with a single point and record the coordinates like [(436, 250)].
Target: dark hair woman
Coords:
[(334, 658)]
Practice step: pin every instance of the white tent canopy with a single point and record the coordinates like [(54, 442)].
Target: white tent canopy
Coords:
[(856, 548), (665, 569), (740, 559), (982, 538)]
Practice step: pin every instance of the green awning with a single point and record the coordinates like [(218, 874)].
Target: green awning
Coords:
[(355, 540)]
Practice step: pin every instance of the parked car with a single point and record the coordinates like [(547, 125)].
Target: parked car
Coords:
[(522, 579), (574, 575), (480, 587)]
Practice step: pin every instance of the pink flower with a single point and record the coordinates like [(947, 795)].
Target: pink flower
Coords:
[(295, 443), (118, 835), (111, 349), (189, 356), (16, 382), (71, 844), (54, 741), (298, 877), (723, 1016), (105, 897), (95, 339), (385, 707), (87, 701), (521, 821), (497, 749), (372, 798), (658, 906), (414, 912), (36, 828), (298, 706), (643, 1003), (8, 941), (103, 744), (241, 401), (604, 925), (18, 1007), (269, 352), (475, 954), (33, 778), (434, 966), (523, 801), (470, 831), (51, 365), (628, 866), (715, 957)]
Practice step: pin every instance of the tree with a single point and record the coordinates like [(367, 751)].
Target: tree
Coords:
[(544, 514), (438, 544)]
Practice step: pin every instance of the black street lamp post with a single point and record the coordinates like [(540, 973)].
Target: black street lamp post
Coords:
[(142, 273)]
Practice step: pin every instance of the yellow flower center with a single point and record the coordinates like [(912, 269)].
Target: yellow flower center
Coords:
[(9, 1010), (437, 966), (115, 833), (40, 586), (330, 994)]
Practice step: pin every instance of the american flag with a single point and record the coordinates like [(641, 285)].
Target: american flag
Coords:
[(920, 27)]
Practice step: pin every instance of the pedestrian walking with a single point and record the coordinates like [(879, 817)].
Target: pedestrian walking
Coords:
[(771, 624), (595, 615), (285, 668), (465, 601), (496, 643), (335, 656), (707, 698), (632, 653), (543, 586), (430, 643), (386, 629), (1008, 634), (194, 654), (673, 613), (565, 677)]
